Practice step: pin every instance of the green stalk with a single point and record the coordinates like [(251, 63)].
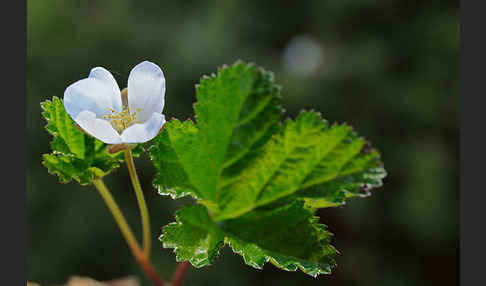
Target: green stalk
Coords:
[(119, 218), (127, 233), (141, 202)]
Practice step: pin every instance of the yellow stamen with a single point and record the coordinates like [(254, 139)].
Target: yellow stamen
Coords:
[(122, 120)]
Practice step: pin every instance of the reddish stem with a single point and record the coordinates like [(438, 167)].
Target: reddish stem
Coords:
[(179, 274), (140, 256), (149, 270)]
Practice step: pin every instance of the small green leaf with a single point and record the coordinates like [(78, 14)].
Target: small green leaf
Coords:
[(261, 180), (76, 155), (67, 138), (194, 236)]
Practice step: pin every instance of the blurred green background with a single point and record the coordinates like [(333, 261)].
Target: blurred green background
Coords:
[(390, 68)]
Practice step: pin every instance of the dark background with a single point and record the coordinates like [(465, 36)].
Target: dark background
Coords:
[(390, 68)]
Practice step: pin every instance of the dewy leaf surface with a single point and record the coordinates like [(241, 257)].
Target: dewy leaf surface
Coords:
[(75, 155), (252, 172)]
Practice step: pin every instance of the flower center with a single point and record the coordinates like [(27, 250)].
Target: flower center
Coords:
[(122, 120)]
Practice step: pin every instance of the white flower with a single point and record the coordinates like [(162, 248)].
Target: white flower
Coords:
[(95, 104)]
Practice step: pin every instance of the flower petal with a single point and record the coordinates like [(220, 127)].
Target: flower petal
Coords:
[(105, 76), (146, 90), (97, 93), (98, 128), (143, 132)]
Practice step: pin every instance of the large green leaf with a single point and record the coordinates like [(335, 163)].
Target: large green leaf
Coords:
[(75, 155), (306, 158), (235, 110), (240, 163)]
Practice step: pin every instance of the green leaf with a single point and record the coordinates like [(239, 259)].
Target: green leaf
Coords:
[(241, 164), (308, 158), (168, 156), (75, 155), (235, 110), (194, 236), (290, 237)]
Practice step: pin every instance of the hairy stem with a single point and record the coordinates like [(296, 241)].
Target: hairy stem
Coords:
[(127, 233), (141, 202)]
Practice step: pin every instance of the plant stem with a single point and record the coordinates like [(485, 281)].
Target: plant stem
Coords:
[(119, 218), (181, 269), (127, 233), (142, 256), (141, 202)]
